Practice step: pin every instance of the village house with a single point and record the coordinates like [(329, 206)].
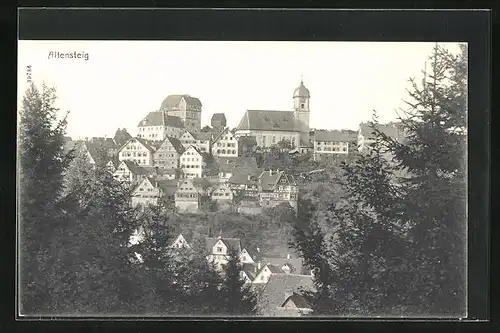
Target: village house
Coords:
[(157, 125), (276, 187), (265, 271), (185, 107), (271, 127), (201, 140), (129, 171), (149, 190), (187, 196), (168, 154), (191, 163), (219, 249), (331, 143), (137, 150), (296, 305), (366, 136), (274, 300), (180, 243), (228, 166), (223, 195), (225, 144)]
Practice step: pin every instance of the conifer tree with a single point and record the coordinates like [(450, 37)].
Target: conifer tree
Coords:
[(92, 272), (434, 157), (41, 164), (236, 296)]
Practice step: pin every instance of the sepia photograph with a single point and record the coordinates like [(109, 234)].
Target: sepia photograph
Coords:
[(255, 179)]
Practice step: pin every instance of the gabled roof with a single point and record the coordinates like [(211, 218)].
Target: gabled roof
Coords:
[(174, 100), (159, 118), (147, 180), (231, 243), (268, 121), (279, 285), (220, 134), (240, 176), (299, 301), (274, 269), (268, 179), (179, 148), (333, 136), (195, 148), (134, 168)]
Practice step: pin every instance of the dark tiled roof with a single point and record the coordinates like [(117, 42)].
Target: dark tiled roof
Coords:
[(268, 180), (243, 163), (240, 176), (268, 121), (393, 130), (203, 136), (219, 117), (276, 289), (299, 301), (135, 168), (174, 100), (179, 148), (159, 118), (195, 148), (174, 121), (333, 136), (274, 269), (155, 118), (145, 143)]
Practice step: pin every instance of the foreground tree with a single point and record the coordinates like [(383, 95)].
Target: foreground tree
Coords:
[(395, 243), (41, 163), (91, 271), (434, 157), (236, 296)]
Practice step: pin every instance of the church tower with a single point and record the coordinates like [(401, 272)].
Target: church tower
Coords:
[(301, 97)]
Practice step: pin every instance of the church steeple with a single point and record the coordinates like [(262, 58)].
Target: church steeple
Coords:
[(301, 97)]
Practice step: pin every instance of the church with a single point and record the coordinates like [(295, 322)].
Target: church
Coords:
[(270, 127)]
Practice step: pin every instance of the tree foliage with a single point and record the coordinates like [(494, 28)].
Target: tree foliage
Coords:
[(41, 163), (393, 244)]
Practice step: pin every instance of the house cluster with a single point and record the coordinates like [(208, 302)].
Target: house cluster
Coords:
[(279, 281), (171, 152)]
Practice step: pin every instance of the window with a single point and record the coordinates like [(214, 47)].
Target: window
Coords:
[(244, 258), (219, 249), (302, 105), (262, 277)]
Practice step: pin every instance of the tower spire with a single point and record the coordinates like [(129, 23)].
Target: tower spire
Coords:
[(301, 79)]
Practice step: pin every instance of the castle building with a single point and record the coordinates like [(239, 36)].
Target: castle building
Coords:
[(186, 107), (270, 127)]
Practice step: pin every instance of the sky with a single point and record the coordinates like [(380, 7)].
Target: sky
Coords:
[(115, 84)]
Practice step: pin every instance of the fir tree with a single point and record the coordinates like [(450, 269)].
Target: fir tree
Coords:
[(236, 296), (434, 157), (41, 164), (92, 272)]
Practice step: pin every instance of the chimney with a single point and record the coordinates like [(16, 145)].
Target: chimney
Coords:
[(258, 250), (288, 256), (258, 265), (248, 177), (270, 172)]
